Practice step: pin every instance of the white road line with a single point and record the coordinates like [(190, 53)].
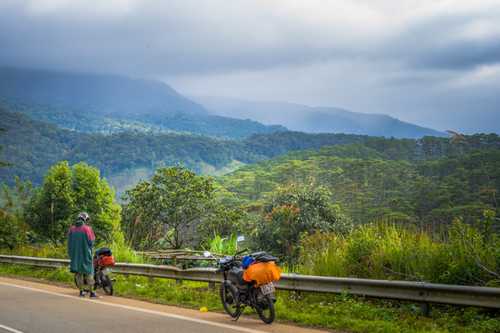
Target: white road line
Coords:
[(133, 308), (9, 329)]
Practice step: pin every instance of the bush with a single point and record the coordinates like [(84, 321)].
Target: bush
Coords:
[(295, 212), (12, 230)]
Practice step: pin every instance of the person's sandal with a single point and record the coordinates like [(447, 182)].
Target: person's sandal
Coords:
[(93, 295), (82, 293)]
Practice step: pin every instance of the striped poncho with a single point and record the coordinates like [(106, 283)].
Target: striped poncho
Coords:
[(80, 242)]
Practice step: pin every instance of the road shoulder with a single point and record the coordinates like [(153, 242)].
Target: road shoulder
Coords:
[(244, 322)]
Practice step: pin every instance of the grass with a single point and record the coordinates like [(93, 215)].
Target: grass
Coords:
[(121, 252), (340, 312), (384, 251)]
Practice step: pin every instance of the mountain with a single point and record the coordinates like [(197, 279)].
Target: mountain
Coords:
[(304, 118), (125, 157), (107, 95), (110, 103)]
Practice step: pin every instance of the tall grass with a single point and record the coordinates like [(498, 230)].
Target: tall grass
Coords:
[(385, 251), (38, 250), (223, 245), (121, 251)]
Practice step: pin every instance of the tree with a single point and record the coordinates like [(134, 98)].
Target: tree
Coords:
[(168, 208), (2, 163), (221, 221), (52, 208), (94, 196), (13, 230), (294, 212), (67, 191)]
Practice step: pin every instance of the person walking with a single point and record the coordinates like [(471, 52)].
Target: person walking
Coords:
[(80, 243)]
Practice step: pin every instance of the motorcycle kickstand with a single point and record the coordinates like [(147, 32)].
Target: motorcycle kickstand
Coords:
[(239, 314)]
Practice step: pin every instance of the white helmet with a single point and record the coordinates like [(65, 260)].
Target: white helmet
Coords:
[(84, 217)]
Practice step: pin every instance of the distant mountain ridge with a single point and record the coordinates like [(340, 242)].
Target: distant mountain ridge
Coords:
[(297, 117), (110, 103), (109, 95)]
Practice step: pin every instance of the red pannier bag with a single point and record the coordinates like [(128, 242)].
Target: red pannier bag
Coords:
[(106, 261), (262, 273)]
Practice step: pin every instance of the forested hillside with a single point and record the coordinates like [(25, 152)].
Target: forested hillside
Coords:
[(429, 183), (127, 156), (32, 146)]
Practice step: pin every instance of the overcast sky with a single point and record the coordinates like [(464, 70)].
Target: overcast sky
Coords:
[(432, 62)]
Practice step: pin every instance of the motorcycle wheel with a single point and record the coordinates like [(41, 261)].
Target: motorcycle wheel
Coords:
[(229, 299), (107, 284), (265, 309)]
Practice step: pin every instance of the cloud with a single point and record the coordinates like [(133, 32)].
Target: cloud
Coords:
[(367, 55)]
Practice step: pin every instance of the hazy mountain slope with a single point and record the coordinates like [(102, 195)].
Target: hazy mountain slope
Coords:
[(109, 103), (109, 95), (315, 119)]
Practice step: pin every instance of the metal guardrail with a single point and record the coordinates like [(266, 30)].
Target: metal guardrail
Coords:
[(401, 290)]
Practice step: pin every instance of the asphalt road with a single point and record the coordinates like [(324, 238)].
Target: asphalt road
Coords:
[(29, 307)]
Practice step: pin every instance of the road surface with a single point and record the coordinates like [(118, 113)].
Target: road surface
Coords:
[(27, 307)]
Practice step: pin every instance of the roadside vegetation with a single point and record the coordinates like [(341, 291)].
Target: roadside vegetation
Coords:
[(387, 251), (341, 312)]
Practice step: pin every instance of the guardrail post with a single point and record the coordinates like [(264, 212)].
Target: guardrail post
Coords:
[(211, 285), (425, 308)]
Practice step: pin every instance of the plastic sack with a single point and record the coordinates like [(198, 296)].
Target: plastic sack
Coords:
[(106, 261), (262, 273)]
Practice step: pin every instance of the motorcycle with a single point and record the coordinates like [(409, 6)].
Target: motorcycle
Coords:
[(236, 293), (103, 260)]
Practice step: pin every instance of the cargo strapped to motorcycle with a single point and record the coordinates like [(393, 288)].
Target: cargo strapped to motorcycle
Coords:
[(262, 273)]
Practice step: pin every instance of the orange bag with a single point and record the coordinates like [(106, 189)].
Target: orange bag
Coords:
[(106, 261), (262, 273)]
